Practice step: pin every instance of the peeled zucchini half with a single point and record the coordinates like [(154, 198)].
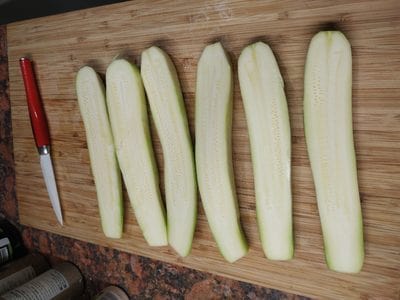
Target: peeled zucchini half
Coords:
[(267, 117), (214, 101), (127, 110), (329, 137), (167, 108), (103, 161)]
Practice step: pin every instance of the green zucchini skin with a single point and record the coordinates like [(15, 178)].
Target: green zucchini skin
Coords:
[(329, 136), (92, 103), (214, 100)]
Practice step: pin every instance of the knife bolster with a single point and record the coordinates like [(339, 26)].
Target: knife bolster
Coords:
[(44, 150)]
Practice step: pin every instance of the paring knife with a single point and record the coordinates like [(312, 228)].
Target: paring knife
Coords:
[(41, 133)]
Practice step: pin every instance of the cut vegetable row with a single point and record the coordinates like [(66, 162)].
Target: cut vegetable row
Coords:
[(268, 122), (124, 133), (128, 114), (328, 129)]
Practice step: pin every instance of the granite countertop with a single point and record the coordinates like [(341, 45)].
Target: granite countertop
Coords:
[(140, 277)]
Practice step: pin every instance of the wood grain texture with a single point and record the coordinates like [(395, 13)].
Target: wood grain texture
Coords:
[(61, 44)]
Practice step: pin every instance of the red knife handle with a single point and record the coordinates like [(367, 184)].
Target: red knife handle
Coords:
[(35, 107)]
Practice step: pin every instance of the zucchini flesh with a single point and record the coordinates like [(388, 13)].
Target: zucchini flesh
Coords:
[(103, 161), (214, 99), (127, 110), (166, 103), (267, 117), (329, 137)]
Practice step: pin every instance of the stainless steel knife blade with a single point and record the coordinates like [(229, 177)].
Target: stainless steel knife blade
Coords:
[(50, 181)]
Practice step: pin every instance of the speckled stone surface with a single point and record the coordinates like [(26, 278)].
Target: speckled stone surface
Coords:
[(7, 179), (140, 277)]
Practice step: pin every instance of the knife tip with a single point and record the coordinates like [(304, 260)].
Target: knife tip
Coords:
[(60, 219)]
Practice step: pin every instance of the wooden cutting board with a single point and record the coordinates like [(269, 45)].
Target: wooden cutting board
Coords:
[(61, 44)]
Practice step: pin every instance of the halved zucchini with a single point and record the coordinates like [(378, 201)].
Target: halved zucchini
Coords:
[(103, 161), (267, 117), (214, 101), (167, 108), (329, 136), (127, 110)]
